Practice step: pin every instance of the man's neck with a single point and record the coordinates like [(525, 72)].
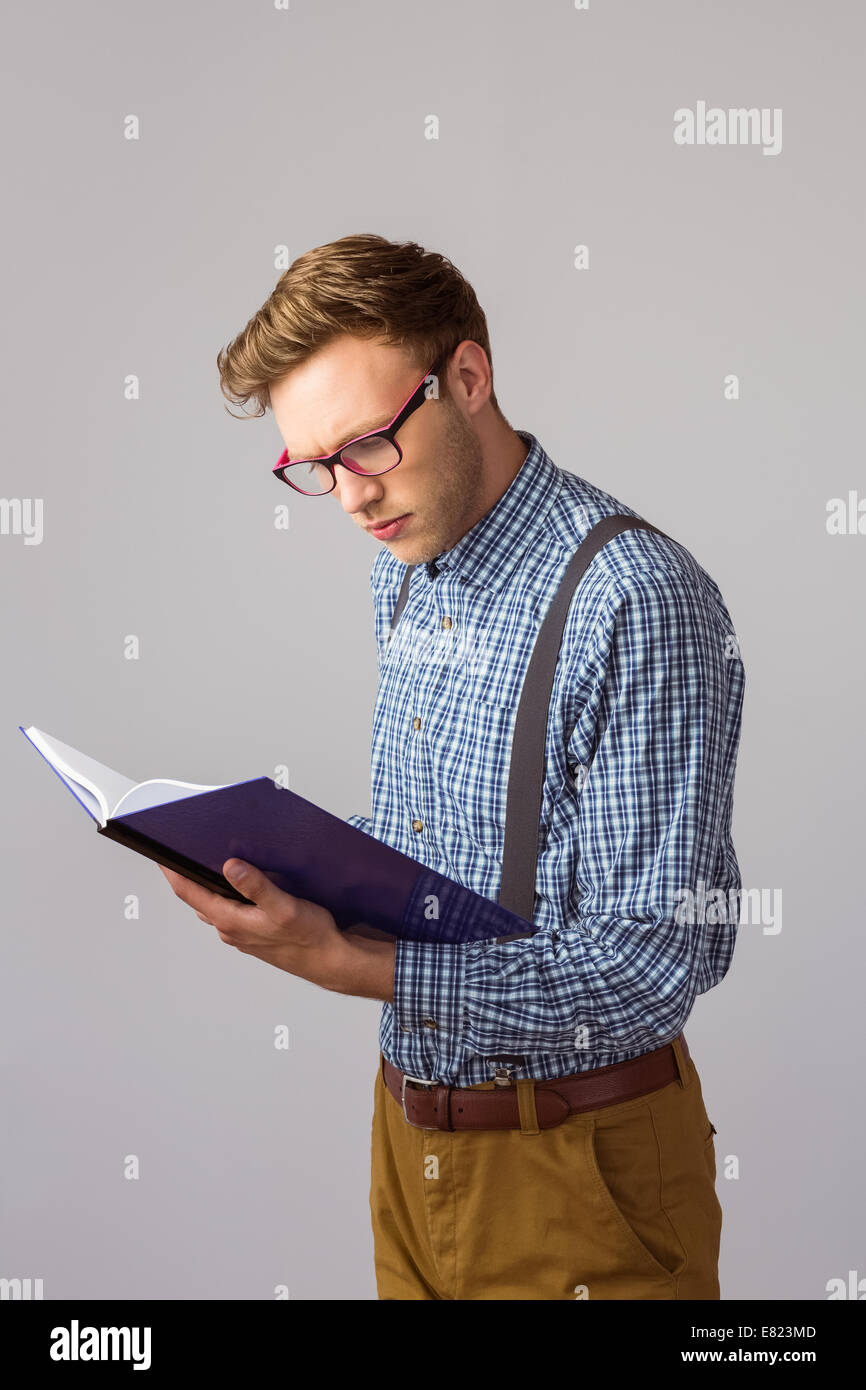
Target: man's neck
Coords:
[(503, 455)]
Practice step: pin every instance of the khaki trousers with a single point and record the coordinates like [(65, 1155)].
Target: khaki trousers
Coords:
[(615, 1203)]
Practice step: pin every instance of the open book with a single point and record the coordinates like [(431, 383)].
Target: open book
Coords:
[(302, 848)]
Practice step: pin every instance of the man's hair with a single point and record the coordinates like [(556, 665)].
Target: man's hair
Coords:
[(363, 285)]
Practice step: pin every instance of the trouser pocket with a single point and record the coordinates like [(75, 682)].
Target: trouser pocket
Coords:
[(625, 1162)]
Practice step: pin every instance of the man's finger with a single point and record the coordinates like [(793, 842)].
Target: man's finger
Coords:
[(256, 886), (195, 895)]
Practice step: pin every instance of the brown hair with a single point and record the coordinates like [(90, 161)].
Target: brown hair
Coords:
[(363, 285)]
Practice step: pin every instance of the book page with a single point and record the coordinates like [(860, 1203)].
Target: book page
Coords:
[(94, 785), (99, 789), (156, 792)]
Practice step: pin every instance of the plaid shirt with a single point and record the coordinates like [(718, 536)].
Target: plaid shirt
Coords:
[(642, 740)]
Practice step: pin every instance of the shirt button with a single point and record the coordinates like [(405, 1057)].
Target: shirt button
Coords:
[(416, 723), (417, 825), (446, 622), (430, 1023), (404, 1029)]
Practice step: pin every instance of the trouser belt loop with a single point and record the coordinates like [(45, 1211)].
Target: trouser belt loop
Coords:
[(526, 1106), (682, 1064)]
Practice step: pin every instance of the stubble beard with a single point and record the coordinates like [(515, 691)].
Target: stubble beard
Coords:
[(453, 503)]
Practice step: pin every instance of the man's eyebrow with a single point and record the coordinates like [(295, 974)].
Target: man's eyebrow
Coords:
[(367, 428)]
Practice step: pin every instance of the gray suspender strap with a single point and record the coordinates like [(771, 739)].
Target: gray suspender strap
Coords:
[(401, 600), (527, 766)]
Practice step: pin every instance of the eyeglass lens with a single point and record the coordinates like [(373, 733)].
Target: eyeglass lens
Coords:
[(369, 456)]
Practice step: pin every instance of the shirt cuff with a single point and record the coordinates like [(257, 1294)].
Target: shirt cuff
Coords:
[(428, 989), (361, 823)]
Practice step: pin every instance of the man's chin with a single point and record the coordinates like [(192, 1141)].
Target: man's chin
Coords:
[(413, 550), (404, 550), (410, 553)]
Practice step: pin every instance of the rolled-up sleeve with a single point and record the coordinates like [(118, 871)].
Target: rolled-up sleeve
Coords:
[(657, 735)]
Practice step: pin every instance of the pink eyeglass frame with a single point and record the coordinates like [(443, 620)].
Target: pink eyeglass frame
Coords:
[(412, 402)]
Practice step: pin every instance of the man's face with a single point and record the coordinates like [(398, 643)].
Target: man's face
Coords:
[(353, 386)]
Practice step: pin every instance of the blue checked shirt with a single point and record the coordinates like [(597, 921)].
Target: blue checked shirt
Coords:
[(642, 739)]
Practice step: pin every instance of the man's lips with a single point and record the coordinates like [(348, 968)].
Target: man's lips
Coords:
[(382, 525)]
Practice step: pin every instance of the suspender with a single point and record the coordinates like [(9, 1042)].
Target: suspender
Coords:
[(401, 600), (527, 765)]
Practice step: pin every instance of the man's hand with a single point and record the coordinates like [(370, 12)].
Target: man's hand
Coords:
[(292, 934)]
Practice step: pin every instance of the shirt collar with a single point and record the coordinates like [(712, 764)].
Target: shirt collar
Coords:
[(487, 554)]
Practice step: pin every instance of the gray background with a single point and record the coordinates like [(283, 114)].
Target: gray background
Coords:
[(261, 128)]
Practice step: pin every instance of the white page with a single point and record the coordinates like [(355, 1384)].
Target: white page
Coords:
[(99, 789), (157, 792), (101, 785)]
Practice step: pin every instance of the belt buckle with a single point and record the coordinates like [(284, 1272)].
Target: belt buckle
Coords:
[(420, 1081)]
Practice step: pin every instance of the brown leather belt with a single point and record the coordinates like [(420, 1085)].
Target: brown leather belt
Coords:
[(432, 1105)]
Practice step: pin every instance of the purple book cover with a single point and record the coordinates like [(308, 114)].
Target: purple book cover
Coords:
[(313, 854), (306, 851)]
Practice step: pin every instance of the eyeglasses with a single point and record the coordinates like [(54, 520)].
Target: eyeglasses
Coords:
[(368, 455)]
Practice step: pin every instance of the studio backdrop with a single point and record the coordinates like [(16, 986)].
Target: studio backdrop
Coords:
[(660, 207)]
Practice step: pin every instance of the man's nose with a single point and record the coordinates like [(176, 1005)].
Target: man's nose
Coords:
[(355, 492)]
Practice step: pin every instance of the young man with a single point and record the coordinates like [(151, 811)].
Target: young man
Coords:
[(539, 1130)]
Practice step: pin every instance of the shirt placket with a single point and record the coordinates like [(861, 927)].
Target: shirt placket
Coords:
[(426, 689)]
